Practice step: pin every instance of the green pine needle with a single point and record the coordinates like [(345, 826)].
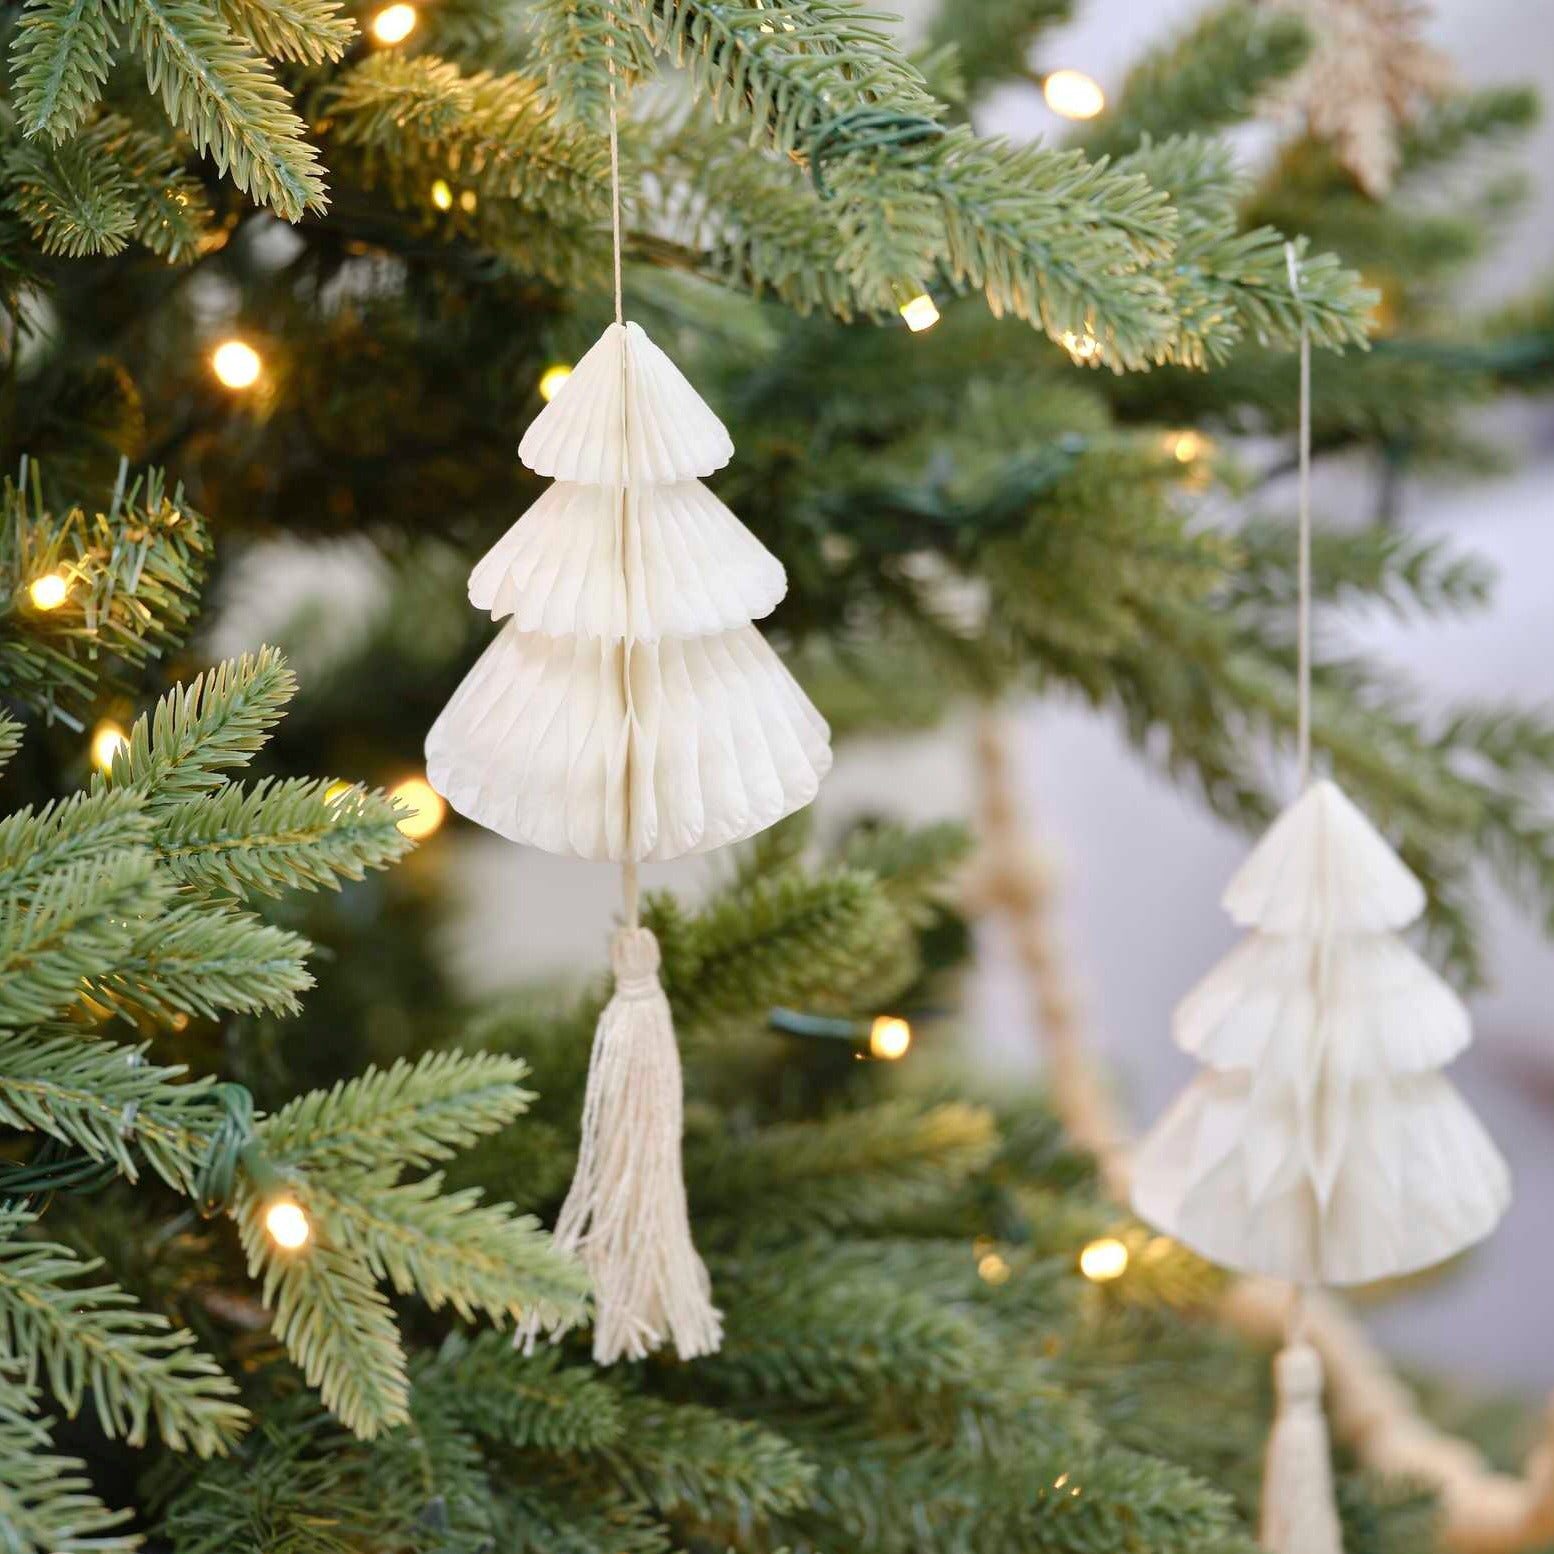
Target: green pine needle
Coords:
[(226, 98), (60, 58), (90, 1340), (296, 834), (47, 1505), (202, 730)]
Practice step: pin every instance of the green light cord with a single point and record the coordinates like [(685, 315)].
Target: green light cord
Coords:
[(865, 129), (232, 1152)]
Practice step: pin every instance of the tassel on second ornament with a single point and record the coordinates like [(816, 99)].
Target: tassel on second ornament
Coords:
[(628, 710)]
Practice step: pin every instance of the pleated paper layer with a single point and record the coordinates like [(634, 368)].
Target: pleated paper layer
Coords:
[(612, 750), (1411, 1178), (1383, 1010), (1323, 868), (626, 415), (643, 563)]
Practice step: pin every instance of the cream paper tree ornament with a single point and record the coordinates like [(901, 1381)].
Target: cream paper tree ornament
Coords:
[(1321, 1145), (628, 710)]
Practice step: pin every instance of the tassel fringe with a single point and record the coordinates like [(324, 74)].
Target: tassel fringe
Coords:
[(625, 1216), (1300, 1515)]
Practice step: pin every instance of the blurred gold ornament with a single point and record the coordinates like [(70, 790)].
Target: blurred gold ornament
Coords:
[(1369, 73)]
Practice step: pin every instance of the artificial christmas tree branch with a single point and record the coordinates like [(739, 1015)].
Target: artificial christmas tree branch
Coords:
[(1373, 1412)]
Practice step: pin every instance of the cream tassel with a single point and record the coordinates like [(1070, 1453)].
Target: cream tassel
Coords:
[(1300, 1515), (625, 1215)]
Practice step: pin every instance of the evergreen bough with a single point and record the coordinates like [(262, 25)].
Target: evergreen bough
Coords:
[(123, 908)]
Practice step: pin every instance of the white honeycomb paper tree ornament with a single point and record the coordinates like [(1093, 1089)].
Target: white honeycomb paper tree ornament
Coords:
[(629, 710), (1322, 1144)]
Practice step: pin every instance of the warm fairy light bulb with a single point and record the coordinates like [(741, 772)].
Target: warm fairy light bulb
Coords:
[(1186, 446), (468, 200), (889, 1036), (920, 313), (287, 1224), (419, 796), (442, 195), (394, 23), (236, 364), (1073, 94), (1081, 348), (48, 592), (552, 379), (107, 740), (1104, 1260), (992, 1269)]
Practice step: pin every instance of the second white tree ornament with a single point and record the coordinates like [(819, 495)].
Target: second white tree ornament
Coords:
[(1322, 1145)]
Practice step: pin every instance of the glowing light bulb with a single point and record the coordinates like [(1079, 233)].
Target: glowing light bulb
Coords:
[(1186, 446), (424, 802), (468, 200), (107, 740), (442, 195), (920, 313), (338, 790), (48, 592), (992, 1269), (394, 23), (1104, 1260), (236, 364), (1081, 348), (552, 379), (1073, 94), (889, 1037), (287, 1224)]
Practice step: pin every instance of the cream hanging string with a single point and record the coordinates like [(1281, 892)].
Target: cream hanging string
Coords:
[(1303, 605), (1299, 1515), (629, 888)]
